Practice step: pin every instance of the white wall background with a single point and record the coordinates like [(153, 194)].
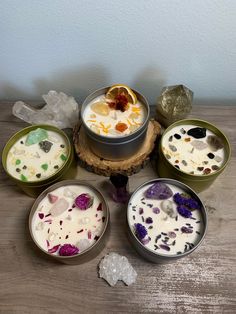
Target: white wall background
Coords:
[(77, 46)]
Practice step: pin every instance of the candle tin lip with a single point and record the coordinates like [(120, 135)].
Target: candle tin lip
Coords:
[(31, 187), (91, 251), (198, 182), (157, 257), (111, 147)]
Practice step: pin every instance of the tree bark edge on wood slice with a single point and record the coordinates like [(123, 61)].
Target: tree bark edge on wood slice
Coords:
[(93, 163)]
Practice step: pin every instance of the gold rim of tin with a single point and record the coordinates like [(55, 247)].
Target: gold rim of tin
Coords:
[(23, 132), (215, 130), (51, 189)]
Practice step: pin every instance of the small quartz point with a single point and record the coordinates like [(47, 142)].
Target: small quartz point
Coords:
[(59, 207), (114, 267), (120, 193), (60, 110)]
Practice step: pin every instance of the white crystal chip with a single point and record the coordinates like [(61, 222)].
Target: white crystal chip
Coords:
[(60, 110), (114, 267)]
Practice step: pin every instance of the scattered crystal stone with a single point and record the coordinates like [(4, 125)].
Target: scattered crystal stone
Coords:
[(173, 148), (101, 108), (184, 162), (18, 151), (218, 159), (197, 132), (182, 131), (177, 136), (36, 136), (83, 244), (214, 167), (210, 155), (45, 146), (53, 139), (159, 191), (114, 267), (171, 138), (52, 198), (69, 193), (51, 236), (59, 207), (168, 156), (214, 142), (84, 221), (60, 110), (69, 217), (40, 226), (169, 208), (113, 115), (199, 145)]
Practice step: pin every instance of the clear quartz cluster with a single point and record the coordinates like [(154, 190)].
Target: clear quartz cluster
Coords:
[(60, 110), (114, 267)]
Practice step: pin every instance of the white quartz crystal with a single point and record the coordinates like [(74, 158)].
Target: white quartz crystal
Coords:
[(60, 110), (114, 267)]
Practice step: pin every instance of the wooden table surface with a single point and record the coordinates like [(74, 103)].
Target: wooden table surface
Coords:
[(204, 282)]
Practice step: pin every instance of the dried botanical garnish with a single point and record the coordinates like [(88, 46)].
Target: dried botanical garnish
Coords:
[(121, 127), (84, 201), (68, 250)]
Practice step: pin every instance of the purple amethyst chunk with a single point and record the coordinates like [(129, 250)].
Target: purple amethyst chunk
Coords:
[(140, 231), (158, 191), (68, 250), (184, 211), (84, 201)]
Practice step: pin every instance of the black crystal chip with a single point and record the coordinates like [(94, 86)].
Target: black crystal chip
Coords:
[(197, 132), (45, 146)]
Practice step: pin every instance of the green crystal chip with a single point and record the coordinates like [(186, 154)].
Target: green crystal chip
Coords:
[(18, 161), (23, 178), (44, 166), (63, 157), (36, 136)]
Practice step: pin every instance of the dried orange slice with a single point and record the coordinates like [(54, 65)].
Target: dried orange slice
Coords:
[(120, 89)]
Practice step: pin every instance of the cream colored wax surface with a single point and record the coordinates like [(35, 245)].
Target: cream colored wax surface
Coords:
[(74, 226), (105, 125), (183, 154), (164, 230), (31, 163)]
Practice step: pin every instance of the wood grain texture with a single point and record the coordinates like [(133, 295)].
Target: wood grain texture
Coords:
[(204, 282)]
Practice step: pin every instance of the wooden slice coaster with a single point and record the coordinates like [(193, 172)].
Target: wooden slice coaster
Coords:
[(92, 162)]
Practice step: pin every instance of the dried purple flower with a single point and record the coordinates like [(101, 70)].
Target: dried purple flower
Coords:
[(84, 201), (165, 247), (68, 250), (185, 199), (156, 210), (149, 220), (41, 215), (140, 231), (186, 230), (184, 211)]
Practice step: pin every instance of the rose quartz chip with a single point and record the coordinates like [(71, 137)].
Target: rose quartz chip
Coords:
[(52, 198), (59, 207)]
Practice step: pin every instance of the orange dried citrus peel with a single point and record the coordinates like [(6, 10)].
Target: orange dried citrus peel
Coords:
[(120, 89)]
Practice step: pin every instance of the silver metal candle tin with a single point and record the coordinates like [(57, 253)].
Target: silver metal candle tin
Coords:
[(157, 257), (115, 148), (94, 249)]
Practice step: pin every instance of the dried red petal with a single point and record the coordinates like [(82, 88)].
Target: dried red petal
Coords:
[(54, 249), (41, 215), (89, 234), (99, 207)]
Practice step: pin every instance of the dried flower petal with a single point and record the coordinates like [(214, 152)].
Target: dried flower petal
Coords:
[(54, 249), (68, 250)]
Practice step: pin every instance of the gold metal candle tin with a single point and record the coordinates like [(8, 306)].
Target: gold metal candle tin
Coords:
[(34, 188), (197, 182)]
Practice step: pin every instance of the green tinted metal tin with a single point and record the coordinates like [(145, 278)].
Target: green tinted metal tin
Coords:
[(197, 182), (34, 188)]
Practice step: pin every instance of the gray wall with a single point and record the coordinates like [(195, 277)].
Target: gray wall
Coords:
[(77, 46)]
